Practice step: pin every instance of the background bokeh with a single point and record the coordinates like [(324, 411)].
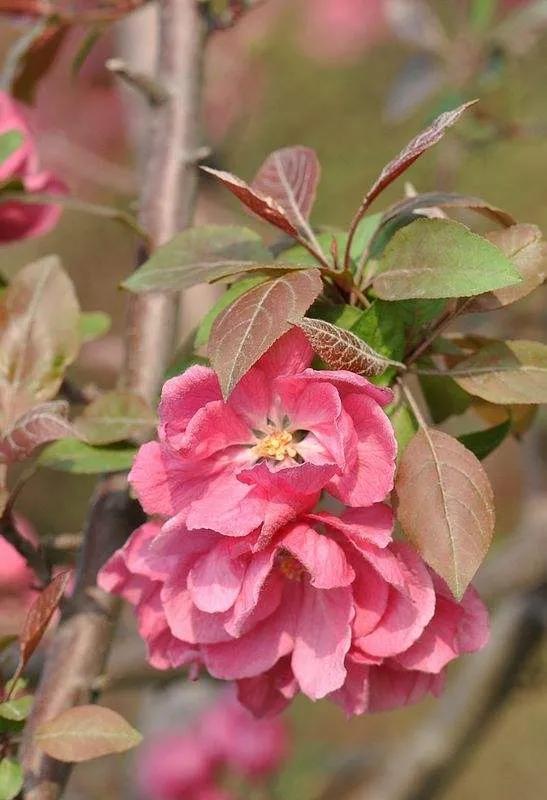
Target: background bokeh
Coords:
[(300, 72)]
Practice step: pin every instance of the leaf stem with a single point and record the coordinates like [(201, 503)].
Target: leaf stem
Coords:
[(414, 407)]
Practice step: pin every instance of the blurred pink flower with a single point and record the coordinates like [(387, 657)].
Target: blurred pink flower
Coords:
[(187, 764), (16, 581), (341, 29), (24, 220), (286, 433), (360, 616)]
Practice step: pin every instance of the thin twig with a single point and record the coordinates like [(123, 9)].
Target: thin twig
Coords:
[(79, 648)]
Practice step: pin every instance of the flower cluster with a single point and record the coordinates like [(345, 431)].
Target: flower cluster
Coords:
[(247, 575), (189, 764), (24, 220)]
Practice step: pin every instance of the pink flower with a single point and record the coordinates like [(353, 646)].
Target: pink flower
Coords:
[(341, 29), (24, 220), (187, 764), (286, 433), (330, 606), (16, 581)]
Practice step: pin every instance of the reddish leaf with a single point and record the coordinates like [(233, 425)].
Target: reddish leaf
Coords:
[(341, 349), (246, 329), (289, 177), (85, 732), (264, 207), (44, 423), (38, 618), (33, 63), (447, 200), (414, 149), (525, 247), (445, 506)]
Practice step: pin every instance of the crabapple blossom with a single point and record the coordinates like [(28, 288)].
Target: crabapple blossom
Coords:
[(286, 433), (24, 220), (330, 606)]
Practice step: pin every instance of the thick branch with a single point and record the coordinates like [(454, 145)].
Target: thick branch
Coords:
[(78, 651)]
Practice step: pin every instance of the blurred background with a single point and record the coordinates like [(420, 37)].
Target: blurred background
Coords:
[(354, 79)]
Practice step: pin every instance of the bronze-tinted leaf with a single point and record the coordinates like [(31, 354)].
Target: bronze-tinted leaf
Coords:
[(290, 177), (113, 417), (506, 372), (264, 207), (448, 200), (199, 255), (38, 618), (342, 349), (44, 423), (445, 506), (85, 732), (39, 336), (246, 329), (525, 247), (414, 149)]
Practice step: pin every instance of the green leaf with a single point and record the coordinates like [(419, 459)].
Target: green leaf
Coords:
[(93, 325), (11, 779), (231, 294), (85, 732), (444, 397), (342, 315), (482, 13), (114, 417), (434, 258), (10, 141), (364, 234), (482, 443), (382, 327), (72, 455), (404, 424), (199, 255), (16, 709), (506, 372)]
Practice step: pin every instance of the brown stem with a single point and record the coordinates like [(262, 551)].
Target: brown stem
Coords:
[(446, 319), (79, 648)]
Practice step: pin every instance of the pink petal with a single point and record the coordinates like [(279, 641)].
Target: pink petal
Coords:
[(182, 397), (393, 688), (215, 579), (406, 614), (212, 428), (289, 355), (323, 638), (321, 556), (370, 596), (269, 693), (257, 572), (252, 398), (187, 622), (256, 651), (349, 383), (362, 525), (371, 458), (353, 696)]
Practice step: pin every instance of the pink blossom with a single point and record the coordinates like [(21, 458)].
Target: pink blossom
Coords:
[(330, 606), (341, 29), (286, 433), (187, 764), (24, 220), (16, 581)]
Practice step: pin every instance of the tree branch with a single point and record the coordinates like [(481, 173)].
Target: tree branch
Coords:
[(79, 648)]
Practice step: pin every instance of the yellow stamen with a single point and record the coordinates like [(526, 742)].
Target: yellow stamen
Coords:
[(277, 445), (290, 567)]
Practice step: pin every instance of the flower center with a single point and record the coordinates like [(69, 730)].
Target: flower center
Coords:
[(290, 567), (277, 445)]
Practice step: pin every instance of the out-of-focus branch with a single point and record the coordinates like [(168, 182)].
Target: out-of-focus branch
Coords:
[(33, 555), (78, 651)]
